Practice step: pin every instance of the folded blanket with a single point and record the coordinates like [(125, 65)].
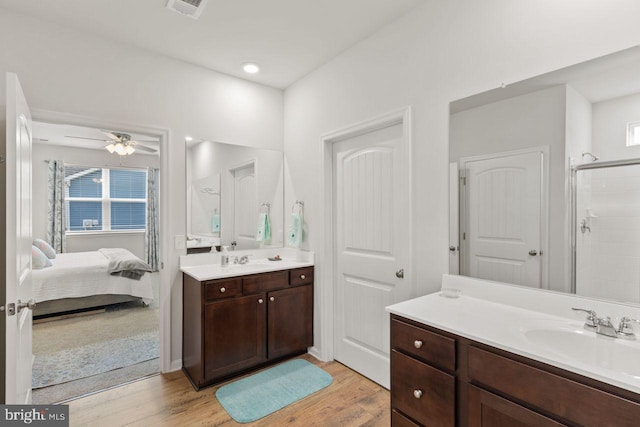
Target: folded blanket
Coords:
[(124, 263)]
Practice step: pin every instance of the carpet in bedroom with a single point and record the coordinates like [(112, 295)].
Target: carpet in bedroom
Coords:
[(128, 327)]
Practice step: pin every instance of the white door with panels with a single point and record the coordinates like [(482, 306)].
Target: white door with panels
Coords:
[(17, 309), (503, 217), (371, 177), (245, 206)]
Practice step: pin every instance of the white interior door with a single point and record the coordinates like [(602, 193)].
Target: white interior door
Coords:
[(503, 234), (372, 245), (245, 207), (17, 174)]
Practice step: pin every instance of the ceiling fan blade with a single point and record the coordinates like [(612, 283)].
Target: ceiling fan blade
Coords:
[(145, 148), (110, 135), (84, 137)]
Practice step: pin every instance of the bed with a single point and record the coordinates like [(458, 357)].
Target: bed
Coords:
[(82, 280)]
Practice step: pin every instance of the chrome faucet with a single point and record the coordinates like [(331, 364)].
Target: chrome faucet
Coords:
[(242, 260), (603, 325)]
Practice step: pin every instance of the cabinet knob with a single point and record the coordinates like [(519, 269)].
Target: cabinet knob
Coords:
[(417, 394), (272, 299), (260, 301), (223, 290), (417, 344), (302, 276)]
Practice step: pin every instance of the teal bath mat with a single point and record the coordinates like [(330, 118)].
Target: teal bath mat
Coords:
[(254, 397)]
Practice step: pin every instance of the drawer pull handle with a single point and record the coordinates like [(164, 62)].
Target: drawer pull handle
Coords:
[(260, 301), (417, 344), (272, 299), (223, 290), (417, 394), (302, 276)]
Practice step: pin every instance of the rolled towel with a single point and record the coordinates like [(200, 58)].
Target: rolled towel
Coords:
[(295, 230)]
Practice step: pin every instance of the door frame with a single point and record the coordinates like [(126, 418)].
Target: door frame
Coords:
[(544, 205), (327, 260), (163, 134)]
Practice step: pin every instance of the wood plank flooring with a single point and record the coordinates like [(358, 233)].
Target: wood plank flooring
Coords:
[(170, 400)]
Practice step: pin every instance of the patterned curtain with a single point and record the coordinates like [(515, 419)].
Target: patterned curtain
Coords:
[(55, 207), (152, 236)]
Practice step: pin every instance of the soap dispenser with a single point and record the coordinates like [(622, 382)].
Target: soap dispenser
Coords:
[(224, 257)]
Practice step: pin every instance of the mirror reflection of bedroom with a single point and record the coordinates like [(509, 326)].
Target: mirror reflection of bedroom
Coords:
[(95, 259)]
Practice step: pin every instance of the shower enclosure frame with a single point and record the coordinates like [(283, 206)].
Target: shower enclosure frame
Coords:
[(574, 203)]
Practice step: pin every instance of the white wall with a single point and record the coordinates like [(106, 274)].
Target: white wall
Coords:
[(79, 156), (67, 71), (527, 121), (610, 119), (442, 51)]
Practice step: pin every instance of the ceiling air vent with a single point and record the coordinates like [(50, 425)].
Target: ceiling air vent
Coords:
[(191, 8)]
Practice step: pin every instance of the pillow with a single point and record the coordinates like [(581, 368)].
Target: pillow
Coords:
[(45, 248), (38, 259)]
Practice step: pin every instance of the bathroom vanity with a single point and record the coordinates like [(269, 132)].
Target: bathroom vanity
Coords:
[(472, 361), (242, 317)]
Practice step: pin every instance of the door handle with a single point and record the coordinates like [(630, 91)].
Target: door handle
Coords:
[(31, 304), (400, 273), (533, 252)]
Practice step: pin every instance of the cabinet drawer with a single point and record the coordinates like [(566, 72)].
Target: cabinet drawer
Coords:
[(423, 344), (265, 282), (399, 420), (550, 393), (422, 392), (301, 276), (223, 288)]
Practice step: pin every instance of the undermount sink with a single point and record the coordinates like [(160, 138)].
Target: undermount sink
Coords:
[(571, 341)]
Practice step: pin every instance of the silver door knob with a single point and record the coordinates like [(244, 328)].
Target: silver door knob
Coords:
[(452, 248), (272, 299), (260, 301), (400, 273), (223, 290), (417, 394), (31, 304), (417, 344), (533, 252)]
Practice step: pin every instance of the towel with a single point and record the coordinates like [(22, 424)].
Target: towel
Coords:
[(295, 230), (263, 234), (215, 223)]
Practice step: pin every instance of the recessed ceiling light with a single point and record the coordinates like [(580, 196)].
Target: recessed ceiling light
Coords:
[(250, 68), (188, 138)]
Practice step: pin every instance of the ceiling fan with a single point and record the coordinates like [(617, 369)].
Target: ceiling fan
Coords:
[(120, 143)]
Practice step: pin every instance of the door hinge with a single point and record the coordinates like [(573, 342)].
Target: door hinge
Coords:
[(464, 235), (2, 158), (464, 180)]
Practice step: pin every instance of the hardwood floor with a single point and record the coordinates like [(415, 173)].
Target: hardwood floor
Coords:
[(169, 400)]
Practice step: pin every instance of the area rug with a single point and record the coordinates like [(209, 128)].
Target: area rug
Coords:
[(81, 362), (259, 395)]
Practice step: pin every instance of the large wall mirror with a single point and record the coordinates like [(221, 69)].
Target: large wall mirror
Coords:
[(545, 181), (235, 196)]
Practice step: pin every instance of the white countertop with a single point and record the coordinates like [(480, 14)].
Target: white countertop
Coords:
[(511, 326), (207, 266)]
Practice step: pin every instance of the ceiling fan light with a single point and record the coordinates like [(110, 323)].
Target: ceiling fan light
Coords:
[(129, 149), (120, 148), (111, 148)]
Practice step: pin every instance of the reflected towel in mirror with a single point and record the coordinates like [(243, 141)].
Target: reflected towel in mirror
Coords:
[(215, 223), (263, 234)]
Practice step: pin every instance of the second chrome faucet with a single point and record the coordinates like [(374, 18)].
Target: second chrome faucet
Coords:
[(603, 325)]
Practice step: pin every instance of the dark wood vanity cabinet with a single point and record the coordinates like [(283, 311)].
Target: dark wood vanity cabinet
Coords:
[(237, 324), (441, 379)]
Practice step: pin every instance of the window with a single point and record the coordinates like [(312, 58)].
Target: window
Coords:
[(633, 134), (102, 199)]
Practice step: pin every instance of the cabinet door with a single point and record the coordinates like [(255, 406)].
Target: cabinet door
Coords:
[(290, 321), (234, 335), (488, 410)]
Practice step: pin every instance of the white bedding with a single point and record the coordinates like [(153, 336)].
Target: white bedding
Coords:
[(83, 274)]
